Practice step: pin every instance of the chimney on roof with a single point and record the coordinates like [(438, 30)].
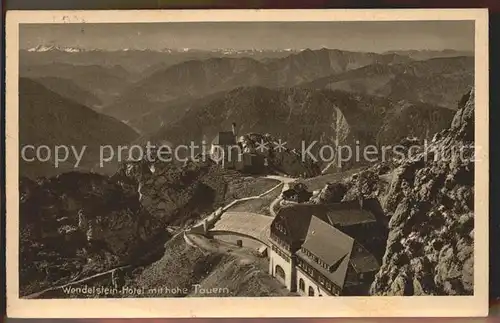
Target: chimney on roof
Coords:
[(234, 129), (361, 199)]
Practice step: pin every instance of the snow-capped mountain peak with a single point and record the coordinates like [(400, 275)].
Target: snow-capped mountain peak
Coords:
[(46, 48)]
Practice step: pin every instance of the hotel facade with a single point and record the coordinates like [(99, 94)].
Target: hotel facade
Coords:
[(327, 250)]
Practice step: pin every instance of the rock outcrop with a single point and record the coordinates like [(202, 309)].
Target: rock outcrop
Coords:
[(77, 223), (430, 202), (174, 194), (427, 194), (331, 193)]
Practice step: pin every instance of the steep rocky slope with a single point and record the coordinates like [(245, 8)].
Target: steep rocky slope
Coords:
[(75, 225), (174, 194), (429, 203)]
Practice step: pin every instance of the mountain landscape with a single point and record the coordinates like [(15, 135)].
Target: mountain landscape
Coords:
[(104, 82), (69, 90), (307, 116), (197, 78), (50, 119), (145, 223), (437, 81), (428, 54), (141, 61)]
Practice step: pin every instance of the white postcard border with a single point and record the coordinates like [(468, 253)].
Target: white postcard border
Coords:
[(417, 306)]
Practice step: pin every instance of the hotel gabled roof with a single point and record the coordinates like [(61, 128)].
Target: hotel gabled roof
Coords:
[(332, 247), (297, 218)]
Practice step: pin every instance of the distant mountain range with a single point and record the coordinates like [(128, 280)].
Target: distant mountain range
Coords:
[(197, 78), (438, 81), (429, 54), (68, 89), (228, 51), (140, 61), (417, 54), (147, 61), (105, 83), (47, 118), (328, 95), (47, 48)]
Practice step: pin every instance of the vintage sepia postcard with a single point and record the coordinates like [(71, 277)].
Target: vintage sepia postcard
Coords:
[(247, 163)]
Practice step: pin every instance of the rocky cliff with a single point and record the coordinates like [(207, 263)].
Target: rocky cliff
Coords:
[(77, 224), (428, 199), (430, 202), (174, 194)]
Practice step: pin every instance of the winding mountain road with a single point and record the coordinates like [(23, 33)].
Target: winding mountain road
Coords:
[(212, 219)]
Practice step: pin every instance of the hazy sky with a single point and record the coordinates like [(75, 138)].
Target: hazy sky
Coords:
[(359, 36)]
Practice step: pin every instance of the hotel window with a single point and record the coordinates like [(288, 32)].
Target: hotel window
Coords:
[(302, 285), (321, 280), (328, 285)]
